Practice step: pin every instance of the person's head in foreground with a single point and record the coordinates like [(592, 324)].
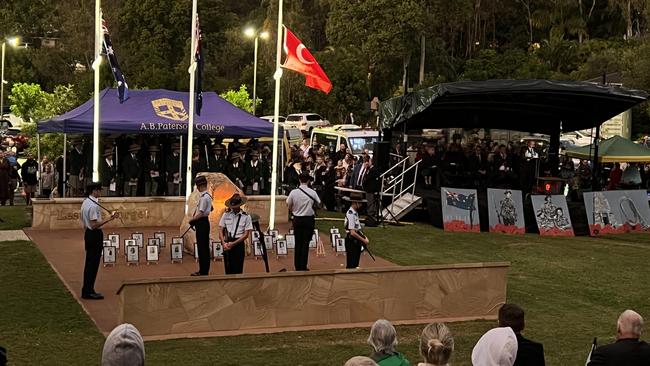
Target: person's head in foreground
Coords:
[(497, 347), (511, 315), (360, 361), (436, 344), (124, 346), (629, 325), (383, 339)]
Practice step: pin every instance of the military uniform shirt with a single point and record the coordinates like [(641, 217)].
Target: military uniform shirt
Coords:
[(352, 221), (90, 211), (229, 220), (205, 204), (300, 203)]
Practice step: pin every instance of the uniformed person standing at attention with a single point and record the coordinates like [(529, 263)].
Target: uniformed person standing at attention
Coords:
[(91, 218), (202, 226), (301, 202), (234, 228), (354, 238)]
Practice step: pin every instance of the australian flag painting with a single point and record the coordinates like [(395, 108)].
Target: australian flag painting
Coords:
[(458, 210), (107, 48)]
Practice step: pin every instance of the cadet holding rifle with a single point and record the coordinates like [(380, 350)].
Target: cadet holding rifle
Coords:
[(201, 224), (234, 228), (91, 216), (355, 240)]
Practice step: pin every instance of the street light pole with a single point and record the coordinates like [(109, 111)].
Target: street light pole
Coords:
[(251, 32), (14, 43), (2, 81), (255, 77)]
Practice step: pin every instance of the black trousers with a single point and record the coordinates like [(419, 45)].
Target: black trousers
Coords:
[(352, 252), (202, 227), (93, 242), (303, 229), (233, 259)]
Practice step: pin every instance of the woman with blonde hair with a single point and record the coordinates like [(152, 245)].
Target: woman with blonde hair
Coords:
[(436, 345)]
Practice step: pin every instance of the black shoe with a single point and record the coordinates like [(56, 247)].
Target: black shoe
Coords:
[(93, 296)]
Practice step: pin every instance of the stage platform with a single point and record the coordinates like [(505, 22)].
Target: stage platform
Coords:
[(64, 250)]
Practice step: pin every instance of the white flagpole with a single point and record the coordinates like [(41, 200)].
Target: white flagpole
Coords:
[(276, 113), (190, 126), (96, 66)]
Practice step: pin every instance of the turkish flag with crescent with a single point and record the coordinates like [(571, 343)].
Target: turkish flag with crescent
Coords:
[(300, 60)]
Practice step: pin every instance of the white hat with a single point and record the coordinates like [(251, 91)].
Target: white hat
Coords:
[(497, 347)]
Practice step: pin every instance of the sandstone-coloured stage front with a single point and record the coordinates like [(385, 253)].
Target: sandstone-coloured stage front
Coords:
[(164, 302)]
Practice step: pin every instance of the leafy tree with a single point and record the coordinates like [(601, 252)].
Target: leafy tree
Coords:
[(33, 104), (240, 98)]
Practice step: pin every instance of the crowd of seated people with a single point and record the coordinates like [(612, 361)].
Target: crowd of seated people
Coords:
[(503, 345)]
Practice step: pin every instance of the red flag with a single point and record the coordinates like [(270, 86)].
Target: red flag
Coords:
[(300, 60)]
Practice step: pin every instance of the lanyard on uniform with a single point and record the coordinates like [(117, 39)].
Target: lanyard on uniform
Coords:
[(236, 226)]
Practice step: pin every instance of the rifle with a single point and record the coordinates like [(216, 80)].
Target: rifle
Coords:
[(365, 247), (498, 213)]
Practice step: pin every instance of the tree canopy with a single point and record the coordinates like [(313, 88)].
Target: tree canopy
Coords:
[(366, 47)]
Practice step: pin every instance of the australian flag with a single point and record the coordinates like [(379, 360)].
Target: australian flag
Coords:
[(460, 200), (198, 58), (107, 48)]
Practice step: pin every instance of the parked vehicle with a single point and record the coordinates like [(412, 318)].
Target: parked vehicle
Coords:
[(306, 121), (357, 139), (576, 138), (281, 119)]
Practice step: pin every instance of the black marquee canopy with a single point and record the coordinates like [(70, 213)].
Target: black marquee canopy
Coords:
[(540, 106)]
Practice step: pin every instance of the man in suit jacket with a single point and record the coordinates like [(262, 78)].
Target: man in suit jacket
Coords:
[(628, 349), (529, 353)]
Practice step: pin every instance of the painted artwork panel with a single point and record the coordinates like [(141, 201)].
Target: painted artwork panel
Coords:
[(552, 215), (506, 211), (617, 212), (460, 210)]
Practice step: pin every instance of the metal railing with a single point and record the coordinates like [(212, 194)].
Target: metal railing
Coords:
[(394, 177)]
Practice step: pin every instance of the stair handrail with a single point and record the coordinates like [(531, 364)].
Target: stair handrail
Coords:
[(389, 186)]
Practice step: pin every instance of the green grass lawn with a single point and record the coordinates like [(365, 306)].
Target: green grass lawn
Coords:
[(15, 217), (571, 288)]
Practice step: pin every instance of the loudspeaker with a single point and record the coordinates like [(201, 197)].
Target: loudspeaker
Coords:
[(381, 155)]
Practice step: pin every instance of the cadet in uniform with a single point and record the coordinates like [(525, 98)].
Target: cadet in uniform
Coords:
[(91, 217), (152, 172), (253, 171), (235, 170), (202, 226), (301, 202), (174, 178), (235, 227), (354, 238), (131, 169), (218, 160), (108, 173)]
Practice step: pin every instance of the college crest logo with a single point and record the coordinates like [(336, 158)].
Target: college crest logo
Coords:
[(170, 109)]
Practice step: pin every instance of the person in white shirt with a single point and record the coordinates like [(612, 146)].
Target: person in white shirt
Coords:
[(301, 202), (354, 239), (201, 224), (235, 227), (91, 217)]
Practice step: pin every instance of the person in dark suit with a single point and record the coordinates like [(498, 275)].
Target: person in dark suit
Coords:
[(108, 173), (217, 159), (131, 170), (628, 349), (529, 353), (152, 172), (235, 170)]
